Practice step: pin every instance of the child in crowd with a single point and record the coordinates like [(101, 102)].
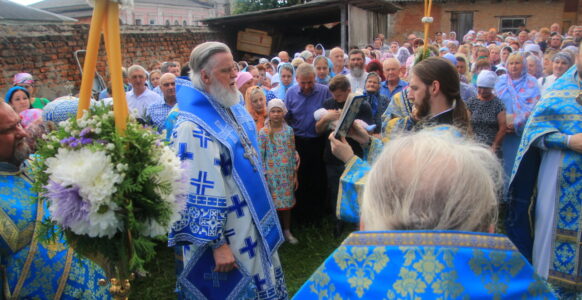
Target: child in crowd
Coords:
[(256, 105), (277, 144)]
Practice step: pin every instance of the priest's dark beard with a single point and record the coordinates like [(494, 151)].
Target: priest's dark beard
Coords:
[(423, 109)]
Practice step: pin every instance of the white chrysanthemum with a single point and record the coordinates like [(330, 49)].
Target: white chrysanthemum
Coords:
[(171, 174), (91, 171), (102, 222)]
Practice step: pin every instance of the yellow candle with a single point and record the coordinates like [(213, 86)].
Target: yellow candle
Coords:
[(91, 56), (114, 58)]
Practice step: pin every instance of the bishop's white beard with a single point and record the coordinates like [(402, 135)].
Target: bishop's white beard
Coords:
[(227, 97)]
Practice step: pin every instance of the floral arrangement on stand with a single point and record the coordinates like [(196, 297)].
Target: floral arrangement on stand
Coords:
[(110, 194)]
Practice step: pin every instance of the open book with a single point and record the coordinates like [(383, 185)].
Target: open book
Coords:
[(349, 113)]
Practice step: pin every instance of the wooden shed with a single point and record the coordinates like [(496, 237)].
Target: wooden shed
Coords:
[(332, 23)]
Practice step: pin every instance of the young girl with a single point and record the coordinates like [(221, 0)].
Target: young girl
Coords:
[(277, 144), (256, 105)]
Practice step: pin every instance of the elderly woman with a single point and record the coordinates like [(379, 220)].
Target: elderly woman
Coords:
[(519, 92), (534, 66), (487, 112), (377, 101), (323, 68), (561, 62), (26, 81), (429, 207)]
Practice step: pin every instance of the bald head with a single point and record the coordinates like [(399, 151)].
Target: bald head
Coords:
[(337, 57), (168, 87), (284, 56), (391, 69), (13, 147)]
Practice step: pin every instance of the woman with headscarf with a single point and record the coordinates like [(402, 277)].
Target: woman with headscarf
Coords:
[(505, 51), (402, 55), (561, 62), (244, 80), (256, 105), (26, 81), (377, 101), (534, 66), (323, 67), (287, 79), (18, 98), (519, 92), (463, 67)]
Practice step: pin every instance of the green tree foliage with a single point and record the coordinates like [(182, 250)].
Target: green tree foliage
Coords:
[(243, 6)]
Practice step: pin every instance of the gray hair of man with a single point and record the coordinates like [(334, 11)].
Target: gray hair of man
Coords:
[(136, 68), (201, 58), (305, 70), (432, 180), (165, 68)]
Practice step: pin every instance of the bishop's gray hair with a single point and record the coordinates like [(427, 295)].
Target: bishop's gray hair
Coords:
[(201, 58), (432, 180)]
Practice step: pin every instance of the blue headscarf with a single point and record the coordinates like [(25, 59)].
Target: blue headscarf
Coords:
[(12, 90), (281, 90), (324, 81), (519, 95)]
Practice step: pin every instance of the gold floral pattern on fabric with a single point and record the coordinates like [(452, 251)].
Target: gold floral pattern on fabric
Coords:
[(496, 269), (360, 266), (321, 285), (427, 270)]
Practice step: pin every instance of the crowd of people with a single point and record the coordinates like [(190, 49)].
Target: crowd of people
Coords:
[(498, 118)]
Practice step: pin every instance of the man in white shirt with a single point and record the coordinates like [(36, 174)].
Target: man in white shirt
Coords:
[(357, 76), (140, 97)]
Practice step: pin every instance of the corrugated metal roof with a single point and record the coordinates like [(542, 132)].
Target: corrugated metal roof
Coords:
[(14, 12), (314, 12)]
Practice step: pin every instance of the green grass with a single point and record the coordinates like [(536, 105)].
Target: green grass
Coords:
[(316, 242)]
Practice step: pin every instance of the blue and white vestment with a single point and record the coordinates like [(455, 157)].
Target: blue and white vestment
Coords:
[(228, 202)]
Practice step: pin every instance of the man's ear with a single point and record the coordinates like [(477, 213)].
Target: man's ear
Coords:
[(436, 87), (205, 78)]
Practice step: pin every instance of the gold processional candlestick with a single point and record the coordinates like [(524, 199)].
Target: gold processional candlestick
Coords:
[(106, 20)]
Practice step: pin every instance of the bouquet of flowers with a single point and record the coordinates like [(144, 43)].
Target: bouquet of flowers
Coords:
[(109, 194)]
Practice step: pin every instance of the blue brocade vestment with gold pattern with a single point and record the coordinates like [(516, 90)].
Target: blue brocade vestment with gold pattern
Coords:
[(32, 269), (425, 265), (549, 173)]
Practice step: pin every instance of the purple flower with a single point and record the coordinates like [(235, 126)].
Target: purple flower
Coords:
[(67, 140), (75, 143), (85, 141), (85, 131), (69, 207)]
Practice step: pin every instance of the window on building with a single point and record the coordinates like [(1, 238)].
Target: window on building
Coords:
[(184, 23), (152, 22), (167, 22), (137, 21), (511, 24), (176, 22)]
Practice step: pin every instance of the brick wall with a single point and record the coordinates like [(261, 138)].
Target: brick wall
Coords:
[(46, 52), (543, 13)]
